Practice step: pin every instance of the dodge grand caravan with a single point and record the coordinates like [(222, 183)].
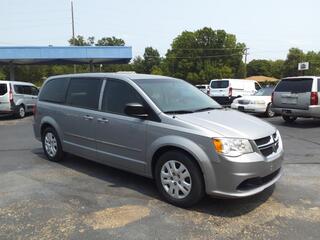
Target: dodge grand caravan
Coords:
[(297, 97), (162, 128)]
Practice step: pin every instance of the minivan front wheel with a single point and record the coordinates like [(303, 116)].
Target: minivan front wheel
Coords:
[(51, 145), (289, 119), (179, 179)]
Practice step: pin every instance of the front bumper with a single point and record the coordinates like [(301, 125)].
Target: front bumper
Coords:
[(246, 175), (313, 111), (250, 108)]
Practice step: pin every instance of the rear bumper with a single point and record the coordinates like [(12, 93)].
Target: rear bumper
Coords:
[(313, 111), (250, 108), (7, 108)]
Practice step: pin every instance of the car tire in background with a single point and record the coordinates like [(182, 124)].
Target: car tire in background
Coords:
[(269, 113), (179, 179), (289, 119), (51, 145), (21, 112)]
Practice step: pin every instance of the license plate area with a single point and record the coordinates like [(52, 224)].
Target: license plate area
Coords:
[(241, 109), (286, 112)]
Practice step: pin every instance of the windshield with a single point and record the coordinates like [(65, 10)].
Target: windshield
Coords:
[(176, 96), (264, 92), (220, 84)]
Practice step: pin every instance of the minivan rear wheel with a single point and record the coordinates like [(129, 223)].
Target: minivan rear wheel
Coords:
[(51, 145), (289, 119), (179, 179), (21, 112)]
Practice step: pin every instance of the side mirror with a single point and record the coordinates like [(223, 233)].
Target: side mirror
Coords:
[(136, 110)]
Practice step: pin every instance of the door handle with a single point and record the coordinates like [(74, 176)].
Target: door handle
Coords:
[(87, 117), (102, 120)]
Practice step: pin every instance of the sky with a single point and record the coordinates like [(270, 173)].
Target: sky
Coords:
[(269, 28)]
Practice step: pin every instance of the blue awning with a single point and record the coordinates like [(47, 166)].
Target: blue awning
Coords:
[(65, 55)]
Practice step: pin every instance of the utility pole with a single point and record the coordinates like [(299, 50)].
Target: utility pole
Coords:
[(73, 37), (245, 60)]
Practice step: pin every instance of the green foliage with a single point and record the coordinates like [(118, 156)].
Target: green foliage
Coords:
[(295, 56), (3, 76), (205, 54), (110, 41)]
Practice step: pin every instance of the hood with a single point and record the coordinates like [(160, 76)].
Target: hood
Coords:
[(230, 123)]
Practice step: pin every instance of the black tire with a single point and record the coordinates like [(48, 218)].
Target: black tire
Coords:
[(21, 112), (59, 154), (289, 119), (269, 113), (196, 192)]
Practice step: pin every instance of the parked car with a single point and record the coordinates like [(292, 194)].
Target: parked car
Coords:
[(17, 98), (161, 128), (224, 91), (259, 103), (297, 97), (205, 88)]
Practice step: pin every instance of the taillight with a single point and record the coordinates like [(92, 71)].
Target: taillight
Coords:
[(34, 110), (208, 91), (272, 96), (314, 98), (10, 94), (230, 91)]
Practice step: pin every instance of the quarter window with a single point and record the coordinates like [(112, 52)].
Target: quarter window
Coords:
[(3, 89), (84, 92), (117, 95), (257, 86), (54, 90)]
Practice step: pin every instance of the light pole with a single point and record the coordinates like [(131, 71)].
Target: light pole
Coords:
[(73, 37)]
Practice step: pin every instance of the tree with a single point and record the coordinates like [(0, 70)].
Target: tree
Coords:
[(151, 59), (259, 67), (290, 66), (110, 41), (205, 54), (81, 41)]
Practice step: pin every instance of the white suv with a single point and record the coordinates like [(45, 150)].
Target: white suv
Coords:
[(17, 98)]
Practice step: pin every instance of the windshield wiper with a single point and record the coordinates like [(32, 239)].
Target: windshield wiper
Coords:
[(179, 112), (207, 108)]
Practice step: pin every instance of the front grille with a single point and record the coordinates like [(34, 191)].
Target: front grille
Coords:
[(253, 183), (268, 145)]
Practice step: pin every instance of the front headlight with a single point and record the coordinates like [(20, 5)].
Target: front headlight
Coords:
[(232, 147)]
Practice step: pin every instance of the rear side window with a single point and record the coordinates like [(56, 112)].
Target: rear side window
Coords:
[(18, 89), (220, 84), (3, 89), (201, 87), (117, 95), (84, 92), (54, 90), (297, 85), (318, 84)]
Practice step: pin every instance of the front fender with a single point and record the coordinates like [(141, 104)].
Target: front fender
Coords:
[(185, 144)]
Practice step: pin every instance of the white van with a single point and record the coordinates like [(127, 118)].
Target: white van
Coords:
[(224, 91), (17, 98)]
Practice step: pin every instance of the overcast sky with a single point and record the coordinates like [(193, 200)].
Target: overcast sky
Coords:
[(268, 27)]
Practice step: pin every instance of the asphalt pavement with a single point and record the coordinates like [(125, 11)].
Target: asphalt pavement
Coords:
[(80, 199)]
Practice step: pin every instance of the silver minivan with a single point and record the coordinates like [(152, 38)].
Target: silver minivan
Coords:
[(296, 97), (161, 128), (17, 98)]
